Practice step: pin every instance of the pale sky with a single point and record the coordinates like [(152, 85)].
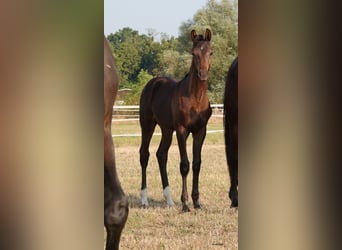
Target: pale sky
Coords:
[(161, 15)]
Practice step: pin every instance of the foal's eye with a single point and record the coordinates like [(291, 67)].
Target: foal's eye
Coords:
[(211, 53)]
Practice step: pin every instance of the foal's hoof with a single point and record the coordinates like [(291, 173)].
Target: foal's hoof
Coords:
[(144, 206), (170, 204), (185, 208), (167, 196), (197, 206), (234, 203), (233, 196), (143, 197)]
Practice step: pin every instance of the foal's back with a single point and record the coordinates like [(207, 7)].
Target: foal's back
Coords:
[(155, 101)]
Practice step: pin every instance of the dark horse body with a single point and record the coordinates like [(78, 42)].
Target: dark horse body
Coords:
[(182, 107), (115, 201), (231, 129)]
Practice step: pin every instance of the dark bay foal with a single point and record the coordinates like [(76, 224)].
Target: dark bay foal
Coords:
[(182, 107)]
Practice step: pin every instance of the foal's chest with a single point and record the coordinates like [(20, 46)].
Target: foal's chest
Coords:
[(194, 120), (192, 115), (199, 118)]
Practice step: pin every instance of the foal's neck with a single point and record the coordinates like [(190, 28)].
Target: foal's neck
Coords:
[(197, 87)]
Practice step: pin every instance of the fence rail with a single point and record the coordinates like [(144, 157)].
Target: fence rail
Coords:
[(124, 113), (120, 107), (131, 112)]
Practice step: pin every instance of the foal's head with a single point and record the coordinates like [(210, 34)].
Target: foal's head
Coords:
[(201, 54)]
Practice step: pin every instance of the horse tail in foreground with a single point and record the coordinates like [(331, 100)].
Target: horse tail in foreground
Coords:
[(115, 201), (231, 129)]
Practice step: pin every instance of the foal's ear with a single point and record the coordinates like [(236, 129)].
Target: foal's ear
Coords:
[(193, 35), (207, 35)]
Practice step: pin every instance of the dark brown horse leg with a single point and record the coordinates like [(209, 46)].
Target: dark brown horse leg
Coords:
[(198, 139), (182, 135), (146, 135), (232, 158), (162, 160), (112, 242), (233, 192)]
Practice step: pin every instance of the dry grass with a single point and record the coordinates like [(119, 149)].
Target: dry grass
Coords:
[(215, 226)]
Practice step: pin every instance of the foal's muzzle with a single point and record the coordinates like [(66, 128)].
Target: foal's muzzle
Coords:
[(203, 75)]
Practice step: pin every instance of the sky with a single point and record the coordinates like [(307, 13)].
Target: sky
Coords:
[(160, 15)]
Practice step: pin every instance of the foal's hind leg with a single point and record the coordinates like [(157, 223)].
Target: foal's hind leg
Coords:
[(162, 160), (147, 129)]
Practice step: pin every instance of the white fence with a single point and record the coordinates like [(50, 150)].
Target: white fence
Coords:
[(131, 112), (122, 113)]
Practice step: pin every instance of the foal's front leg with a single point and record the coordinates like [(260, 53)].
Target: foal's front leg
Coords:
[(182, 135), (198, 139)]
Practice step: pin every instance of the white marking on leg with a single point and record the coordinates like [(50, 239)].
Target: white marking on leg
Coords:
[(143, 196), (167, 196)]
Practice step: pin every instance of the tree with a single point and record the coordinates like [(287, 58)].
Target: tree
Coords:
[(133, 53), (125, 35), (126, 54), (134, 97), (166, 56)]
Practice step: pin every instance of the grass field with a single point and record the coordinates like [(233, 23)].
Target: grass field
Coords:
[(215, 226)]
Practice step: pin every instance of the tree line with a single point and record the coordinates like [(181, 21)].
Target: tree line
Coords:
[(140, 57)]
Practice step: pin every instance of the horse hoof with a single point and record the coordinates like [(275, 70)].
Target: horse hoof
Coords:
[(170, 204), (167, 196), (143, 198), (234, 205), (144, 206), (185, 208), (197, 206)]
